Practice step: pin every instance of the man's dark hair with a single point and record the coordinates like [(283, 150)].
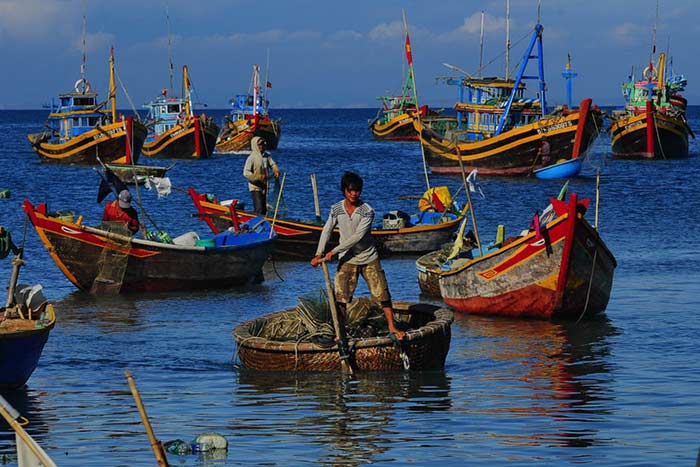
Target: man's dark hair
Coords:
[(350, 180)]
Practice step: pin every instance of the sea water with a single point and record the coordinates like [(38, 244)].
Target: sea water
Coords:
[(621, 390)]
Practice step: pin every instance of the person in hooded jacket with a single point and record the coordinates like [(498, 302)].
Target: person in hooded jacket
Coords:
[(257, 171)]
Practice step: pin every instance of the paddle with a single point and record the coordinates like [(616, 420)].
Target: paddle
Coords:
[(343, 351), (156, 445)]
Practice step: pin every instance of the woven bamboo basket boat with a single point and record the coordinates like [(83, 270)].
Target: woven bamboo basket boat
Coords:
[(426, 345)]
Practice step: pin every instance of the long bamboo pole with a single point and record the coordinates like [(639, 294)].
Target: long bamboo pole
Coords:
[(317, 206), (157, 447)]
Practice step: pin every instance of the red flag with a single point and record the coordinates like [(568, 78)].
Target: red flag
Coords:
[(409, 57), (268, 85)]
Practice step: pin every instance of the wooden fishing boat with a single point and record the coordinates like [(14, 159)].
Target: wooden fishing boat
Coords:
[(25, 323), (394, 120), (22, 340), (564, 169), (132, 173), (426, 345), (249, 117), (298, 239), (499, 131), (175, 131), (653, 124), (560, 270), (100, 260), (80, 130)]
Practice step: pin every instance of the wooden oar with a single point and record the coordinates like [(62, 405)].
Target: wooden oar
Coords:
[(345, 365), (156, 445)]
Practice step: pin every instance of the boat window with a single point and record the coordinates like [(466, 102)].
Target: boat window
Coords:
[(174, 109), (163, 109), (93, 121), (84, 101)]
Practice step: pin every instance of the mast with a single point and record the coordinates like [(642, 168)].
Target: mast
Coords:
[(256, 88), (186, 86), (481, 46), (536, 39), (507, 38), (112, 85), (83, 66), (409, 59), (267, 80), (568, 75), (653, 37), (170, 55)]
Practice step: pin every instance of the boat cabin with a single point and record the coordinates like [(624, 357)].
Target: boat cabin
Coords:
[(75, 113), (242, 106), (483, 101), (163, 114)]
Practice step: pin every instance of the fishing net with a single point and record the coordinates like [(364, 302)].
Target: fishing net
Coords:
[(311, 321)]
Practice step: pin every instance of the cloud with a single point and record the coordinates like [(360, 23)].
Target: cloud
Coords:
[(386, 31), (629, 33), (31, 19), (492, 23)]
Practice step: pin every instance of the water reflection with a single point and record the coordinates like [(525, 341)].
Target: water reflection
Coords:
[(351, 420), (556, 371)]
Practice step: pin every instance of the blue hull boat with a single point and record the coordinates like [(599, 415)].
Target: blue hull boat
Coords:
[(21, 344), (565, 169)]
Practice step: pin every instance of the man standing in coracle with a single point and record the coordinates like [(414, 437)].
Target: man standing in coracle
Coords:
[(256, 171), (358, 253)]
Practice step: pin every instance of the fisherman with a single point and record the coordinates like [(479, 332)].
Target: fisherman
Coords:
[(358, 253), (120, 210), (545, 151), (256, 170)]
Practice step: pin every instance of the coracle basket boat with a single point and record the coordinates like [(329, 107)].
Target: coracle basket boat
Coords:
[(425, 345)]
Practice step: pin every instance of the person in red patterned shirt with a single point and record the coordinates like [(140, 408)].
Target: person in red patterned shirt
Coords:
[(120, 210)]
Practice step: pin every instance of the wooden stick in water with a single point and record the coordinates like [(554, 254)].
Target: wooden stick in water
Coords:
[(277, 205), (157, 447), (317, 206)]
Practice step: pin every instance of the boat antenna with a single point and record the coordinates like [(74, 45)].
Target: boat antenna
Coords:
[(507, 38), (409, 59), (539, 11), (267, 80), (170, 55), (83, 66), (653, 36), (481, 46)]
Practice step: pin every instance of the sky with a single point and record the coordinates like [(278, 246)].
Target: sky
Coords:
[(328, 53)]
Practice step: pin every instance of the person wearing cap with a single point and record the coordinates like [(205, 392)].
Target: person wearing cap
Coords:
[(120, 210), (257, 171)]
